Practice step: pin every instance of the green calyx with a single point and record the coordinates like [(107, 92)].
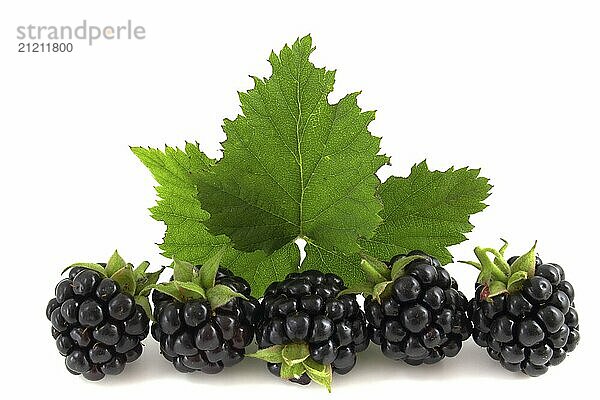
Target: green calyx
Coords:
[(192, 283), (295, 360), (135, 281), (497, 275), (380, 277)]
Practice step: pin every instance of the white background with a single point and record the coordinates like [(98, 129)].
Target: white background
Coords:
[(512, 87)]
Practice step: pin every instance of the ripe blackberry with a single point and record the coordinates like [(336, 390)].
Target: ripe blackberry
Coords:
[(306, 316), (99, 316), (523, 312), (204, 327), (415, 311)]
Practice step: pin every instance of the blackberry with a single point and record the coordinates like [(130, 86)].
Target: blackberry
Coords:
[(523, 311), (99, 316), (310, 328), (415, 312), (204, 323)]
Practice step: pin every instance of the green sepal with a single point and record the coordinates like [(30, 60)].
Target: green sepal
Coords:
[(295, 353), (502, 249), (115, 263), (399, 265), (484, 277), (319, 373), (271, 354), (145, 304), (291, 371), (180, 291), (472, 264), (190, 291), (382, 291), (526, 262), (92, 266), (141, 269), (500, 262), (496, 288), (502, 265), (170, 289), (489, 270), (378, 265), (183, 271), (220, 295), (209, 269), (144, 282), (364, 288), (500, 277), (372, 272), (516, 280), (196, 278), (125, 277), (480, 279)]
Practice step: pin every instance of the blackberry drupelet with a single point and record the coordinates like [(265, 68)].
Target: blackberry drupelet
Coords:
[(197, 334), (528, 324), (421, 316), (306, 313), (97, 326)]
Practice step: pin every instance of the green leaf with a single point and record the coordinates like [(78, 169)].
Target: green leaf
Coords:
[(271, 354), (295, 353), (320, 185), (291, 371), (93, 266), (221, 294), (183, 271), (428, 211), (293, 164), (343, 265), (145, 304), (516, 280), (526, 262), (125, 277), (190, 290), (209, 269), (186, 236), (170, 289), (399, 265), (114, 264), (319, 373)]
